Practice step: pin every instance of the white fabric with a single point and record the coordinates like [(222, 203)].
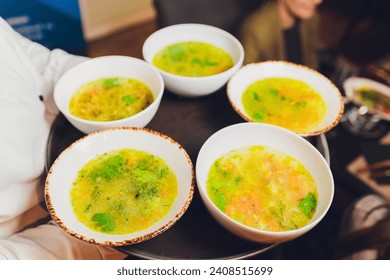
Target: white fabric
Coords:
[(27, 71), (50, 242)]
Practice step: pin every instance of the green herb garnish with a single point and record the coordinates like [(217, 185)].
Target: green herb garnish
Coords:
[(105, 221), (308, 204)]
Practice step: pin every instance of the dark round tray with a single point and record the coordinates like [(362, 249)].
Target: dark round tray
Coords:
[(189, 122)]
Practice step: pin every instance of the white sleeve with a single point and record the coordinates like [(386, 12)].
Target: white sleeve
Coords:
[(42, 66), (50, 242), (28, 70), (50, 64)]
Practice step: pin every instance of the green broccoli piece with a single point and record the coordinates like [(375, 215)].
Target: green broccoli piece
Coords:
[(209, 63), (128, 99), (256, 96), (196, 61), (220, 201), (308, 204), (259, 115), (273, 92), (111, 82), (177, 53)]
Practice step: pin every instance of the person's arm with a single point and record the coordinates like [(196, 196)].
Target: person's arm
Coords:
[(50, 242), (28, 71), (42, 66), (50, 64)]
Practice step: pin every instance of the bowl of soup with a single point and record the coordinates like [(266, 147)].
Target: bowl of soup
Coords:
[(286, 94), (263, 183), (194, 59), (369, 93), (120, 186), (109, 91)]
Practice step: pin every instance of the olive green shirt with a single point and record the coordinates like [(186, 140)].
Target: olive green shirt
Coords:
[(262, 37)]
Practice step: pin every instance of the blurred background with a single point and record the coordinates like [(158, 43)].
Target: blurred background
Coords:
[(73, 24), (359, 30)]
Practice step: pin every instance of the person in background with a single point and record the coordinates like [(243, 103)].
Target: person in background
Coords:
[(365, 230), (282, 30), (28, 73)]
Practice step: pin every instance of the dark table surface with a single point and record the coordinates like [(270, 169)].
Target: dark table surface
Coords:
[(189, 121)]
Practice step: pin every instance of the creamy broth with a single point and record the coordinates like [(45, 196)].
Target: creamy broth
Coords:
[(263, 188), (108, 99), (123, 191), (285, 102), (194, 59)]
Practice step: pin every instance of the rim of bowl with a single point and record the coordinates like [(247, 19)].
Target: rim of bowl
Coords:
[(236, 64), (315, 72), (170, 223), (156, 100), (312, 223), (352, 83)]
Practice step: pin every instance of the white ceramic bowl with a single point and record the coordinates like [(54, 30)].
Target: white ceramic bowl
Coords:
[(251, 73), (65, 169), (281, 139), (109, 66), (352, 84), (194, 86)]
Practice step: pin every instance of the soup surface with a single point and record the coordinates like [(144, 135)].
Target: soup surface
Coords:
[(193, 59), (123, 191), (263, 188), (108, 99), (373, 99), (285, 102)]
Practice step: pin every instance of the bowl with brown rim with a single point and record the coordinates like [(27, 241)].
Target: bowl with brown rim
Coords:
[(141, 180)]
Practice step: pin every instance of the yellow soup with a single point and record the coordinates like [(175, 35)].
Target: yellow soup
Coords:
[(123, 191), (263, 188), (193, 59), (108, 99), (285, 102)]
